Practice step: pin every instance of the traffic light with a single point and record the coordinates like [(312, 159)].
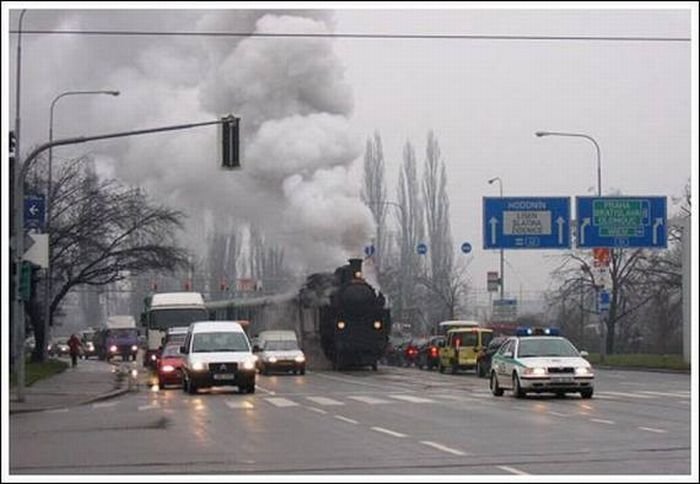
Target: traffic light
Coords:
[(25, 282), (230, 142)]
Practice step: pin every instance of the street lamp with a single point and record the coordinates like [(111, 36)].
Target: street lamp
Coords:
[(500, 186), (47, 283), (539, 134)]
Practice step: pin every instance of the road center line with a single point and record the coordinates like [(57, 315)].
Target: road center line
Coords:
[(148, 407), (56, 410), (389, 432), (557, 414), (602, 420), (513, 470), (103, 405), (649, 429), (317, 410), (443, 448), (345, 419)]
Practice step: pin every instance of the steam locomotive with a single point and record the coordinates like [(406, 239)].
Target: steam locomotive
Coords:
[(338, 313)]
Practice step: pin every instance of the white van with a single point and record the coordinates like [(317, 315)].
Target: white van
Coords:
[(217, 353), (279, 350)]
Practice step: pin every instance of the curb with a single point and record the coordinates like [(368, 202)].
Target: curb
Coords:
[(103, 396), (641, 368)]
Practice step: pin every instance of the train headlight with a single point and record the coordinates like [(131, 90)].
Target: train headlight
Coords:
[(341, 324), (113, 349), (377, 325)]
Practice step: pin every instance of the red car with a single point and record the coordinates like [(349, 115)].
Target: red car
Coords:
[(169, 366)]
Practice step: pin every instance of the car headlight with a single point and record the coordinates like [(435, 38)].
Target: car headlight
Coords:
[(154, 357), (113, 349), (584, 371), (377, 325), (198, 366), (300, 359), (535, 371), (168, 368), (272, 359), (341, 324), (249, 364), (90, 347), (134, 348)]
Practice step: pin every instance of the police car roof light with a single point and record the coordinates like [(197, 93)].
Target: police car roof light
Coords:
[(537, 331)]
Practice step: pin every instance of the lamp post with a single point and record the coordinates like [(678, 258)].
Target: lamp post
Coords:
[(500, 188), (47, 283), (539, 134)]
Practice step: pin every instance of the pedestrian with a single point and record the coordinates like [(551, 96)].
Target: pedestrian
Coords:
[(74, 345)]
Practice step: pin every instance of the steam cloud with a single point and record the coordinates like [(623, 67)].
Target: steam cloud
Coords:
[(297, 146)]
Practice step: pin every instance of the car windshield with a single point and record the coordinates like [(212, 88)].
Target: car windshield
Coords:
[(171, 351), (167, 318), (541, 347), (281, 345), (123, 332), (219, 341)]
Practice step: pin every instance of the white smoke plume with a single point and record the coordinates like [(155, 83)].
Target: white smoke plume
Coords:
[(297, 147)]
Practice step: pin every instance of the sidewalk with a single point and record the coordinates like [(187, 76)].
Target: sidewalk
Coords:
[(89, 382)]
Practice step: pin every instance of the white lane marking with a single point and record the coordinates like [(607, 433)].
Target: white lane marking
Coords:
[(631, 395), (649, 429), (443, 448), (324, 401), (354, 381), (557, 414), (369, 400), (481, 395), (317, 410), (148, 407), (282, 402), (513, 470), (245, 404), (104, 404), (264, 390), (345, 419), (412, 399), (606, 397), (665, 394), (389, 432), (602, 420), (56, 410)]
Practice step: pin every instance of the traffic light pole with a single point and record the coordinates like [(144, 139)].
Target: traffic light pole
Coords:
[(21, 170)]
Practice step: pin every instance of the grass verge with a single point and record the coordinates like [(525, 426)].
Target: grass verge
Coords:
[(38, 371), (667, 362)]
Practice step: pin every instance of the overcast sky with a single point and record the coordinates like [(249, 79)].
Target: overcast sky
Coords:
[(483, 98)]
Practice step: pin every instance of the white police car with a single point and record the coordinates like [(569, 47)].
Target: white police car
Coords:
[(539, 360)]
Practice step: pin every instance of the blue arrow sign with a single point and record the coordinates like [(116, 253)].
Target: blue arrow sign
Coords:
[(527, 223), (621, 222), (369, 250), (603, 301), (466, 247), (422, 249), (34, 210)]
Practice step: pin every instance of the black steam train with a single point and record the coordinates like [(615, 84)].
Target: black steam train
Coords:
[(339, 313)]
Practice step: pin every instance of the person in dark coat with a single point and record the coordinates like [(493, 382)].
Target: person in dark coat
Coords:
[(74, 345)]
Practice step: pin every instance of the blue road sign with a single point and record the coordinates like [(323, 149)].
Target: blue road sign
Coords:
[(621, 222), (466, 247), (369, 250), (527, 222), (603, 301), (34, 211), (422, 249)]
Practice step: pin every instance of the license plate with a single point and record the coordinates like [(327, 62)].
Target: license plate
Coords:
[(562, 379), (224, 376)]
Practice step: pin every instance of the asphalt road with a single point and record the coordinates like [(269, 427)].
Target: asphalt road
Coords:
[(395, 421)]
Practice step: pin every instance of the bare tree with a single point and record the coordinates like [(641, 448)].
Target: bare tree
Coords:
[(437, 217), (374, 195), (102, 232)]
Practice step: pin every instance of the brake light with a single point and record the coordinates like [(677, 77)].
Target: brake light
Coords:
[(433, 351)]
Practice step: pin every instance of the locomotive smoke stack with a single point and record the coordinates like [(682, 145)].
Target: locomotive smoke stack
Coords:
[(356, 267)]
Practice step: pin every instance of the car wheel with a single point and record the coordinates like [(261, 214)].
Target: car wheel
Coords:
[(495, 389), (441, 368), (161, 383), (185, 385), (588, 393), (191, 388), (265, 370), (480, 370), (560, 394), (302, 371), (518, 392), (453, 368), (374, 366)]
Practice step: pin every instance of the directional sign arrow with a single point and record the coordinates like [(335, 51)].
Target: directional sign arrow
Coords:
[(493, 222), (658, 222), (33, 210), (560, 223), (586, 223)]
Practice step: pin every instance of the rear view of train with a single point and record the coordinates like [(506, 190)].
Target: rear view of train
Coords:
[(354, 322)]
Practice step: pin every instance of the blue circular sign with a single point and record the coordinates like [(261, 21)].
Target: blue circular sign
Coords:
[(369, 250), (466, 247), (422, 249)]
